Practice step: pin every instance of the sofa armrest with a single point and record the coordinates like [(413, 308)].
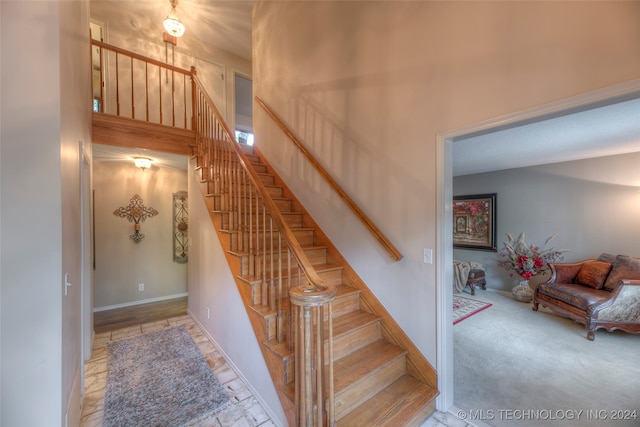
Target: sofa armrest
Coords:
[(565, 272), (623, 306)]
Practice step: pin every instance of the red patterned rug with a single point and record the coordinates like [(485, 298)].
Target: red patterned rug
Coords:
[(463, 308)]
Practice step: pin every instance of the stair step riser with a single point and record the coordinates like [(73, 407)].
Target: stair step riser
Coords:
[(259, 167), (363, 389), (215, 187), (293, 220), (334, 276), (247, 149), (353, 340), (271, 323), (253, 158), (221, 203), (346, 304), (240, 240), (266, 179), (316, 256)]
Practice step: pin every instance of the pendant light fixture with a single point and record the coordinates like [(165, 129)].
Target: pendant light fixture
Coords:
[(142, 162), (172, 24)]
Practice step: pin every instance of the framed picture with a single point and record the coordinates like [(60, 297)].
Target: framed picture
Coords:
[(474, 222)]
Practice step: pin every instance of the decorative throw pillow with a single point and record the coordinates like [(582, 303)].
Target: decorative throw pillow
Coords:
[(605, 257), (593, 274), (624, 267)]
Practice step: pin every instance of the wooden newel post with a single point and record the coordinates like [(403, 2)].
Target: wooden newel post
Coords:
[(309, 353)]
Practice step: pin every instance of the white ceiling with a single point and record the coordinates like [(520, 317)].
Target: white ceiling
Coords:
[(602, 131), (109, 153), (225, 24)]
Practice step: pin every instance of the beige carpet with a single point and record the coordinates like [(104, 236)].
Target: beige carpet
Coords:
[(517, 367)]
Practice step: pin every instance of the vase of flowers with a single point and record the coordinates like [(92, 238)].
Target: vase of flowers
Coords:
[(525, 261)]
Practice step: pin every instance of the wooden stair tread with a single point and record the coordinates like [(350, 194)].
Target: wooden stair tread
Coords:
[(364, 361), (265, 310), (281, 349), (345, 290), (350, 321), (406, 402)]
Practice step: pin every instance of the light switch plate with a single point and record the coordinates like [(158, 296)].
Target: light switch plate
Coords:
[(428, 256)]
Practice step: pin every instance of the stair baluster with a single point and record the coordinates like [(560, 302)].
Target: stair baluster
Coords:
[(234, 186)]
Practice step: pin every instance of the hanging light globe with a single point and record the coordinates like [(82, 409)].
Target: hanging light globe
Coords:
[(172, 24)]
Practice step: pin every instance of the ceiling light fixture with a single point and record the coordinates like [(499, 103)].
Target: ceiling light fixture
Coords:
[(172, 24), (142, 162)]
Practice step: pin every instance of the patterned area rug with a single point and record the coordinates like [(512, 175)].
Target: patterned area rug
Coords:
[(160, 379), (463, 308)]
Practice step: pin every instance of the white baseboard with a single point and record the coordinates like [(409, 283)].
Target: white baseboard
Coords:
[(144, 301), (265, 406)]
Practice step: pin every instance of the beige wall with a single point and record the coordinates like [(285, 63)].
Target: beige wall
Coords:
[(593, 204), (216, 304), (41, 132), (121, 264), (369, 85)]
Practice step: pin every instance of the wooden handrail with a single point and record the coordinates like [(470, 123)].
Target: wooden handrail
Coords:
[(140, 57), (384, 241)]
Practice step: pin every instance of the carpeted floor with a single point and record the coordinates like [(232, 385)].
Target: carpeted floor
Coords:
[(517, 367), (160, 378)]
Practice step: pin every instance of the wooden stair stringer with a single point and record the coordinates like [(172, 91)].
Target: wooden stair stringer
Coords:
[(274, 363)]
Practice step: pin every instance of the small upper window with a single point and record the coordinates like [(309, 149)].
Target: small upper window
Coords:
[(244, 137)]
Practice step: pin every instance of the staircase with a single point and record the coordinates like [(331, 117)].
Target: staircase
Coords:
[(335, 355), (374, 382)]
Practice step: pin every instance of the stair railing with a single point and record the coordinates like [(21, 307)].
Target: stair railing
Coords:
[(290, 285), (135, 83), (379, 235)]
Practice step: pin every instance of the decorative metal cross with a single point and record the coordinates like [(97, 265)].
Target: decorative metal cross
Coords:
[(136, 212)]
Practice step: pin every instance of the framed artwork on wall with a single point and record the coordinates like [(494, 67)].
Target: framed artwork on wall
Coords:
[(474, 222)]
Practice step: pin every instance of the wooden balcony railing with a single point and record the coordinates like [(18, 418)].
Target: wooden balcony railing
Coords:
[(140, 88), (384, 241), (290, 285)]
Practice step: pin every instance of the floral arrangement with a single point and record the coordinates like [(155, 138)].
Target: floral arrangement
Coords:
[(527, 260)]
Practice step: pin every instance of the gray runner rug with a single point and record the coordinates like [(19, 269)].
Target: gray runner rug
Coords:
[(159, 379)]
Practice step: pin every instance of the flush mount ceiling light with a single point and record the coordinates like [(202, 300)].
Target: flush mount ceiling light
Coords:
[(172, 24), (142, 162)]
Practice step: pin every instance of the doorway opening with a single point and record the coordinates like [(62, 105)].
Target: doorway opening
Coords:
[(445, 161), (243, 113)]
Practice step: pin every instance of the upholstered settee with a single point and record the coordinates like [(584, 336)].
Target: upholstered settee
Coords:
[(602, 293)]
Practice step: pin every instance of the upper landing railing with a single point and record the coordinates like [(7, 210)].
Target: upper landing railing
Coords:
[(130, 85)]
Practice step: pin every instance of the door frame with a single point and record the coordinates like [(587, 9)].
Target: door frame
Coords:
[(444, 221)]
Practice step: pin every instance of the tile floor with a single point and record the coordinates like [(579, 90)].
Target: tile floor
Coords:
[(245, 410)]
